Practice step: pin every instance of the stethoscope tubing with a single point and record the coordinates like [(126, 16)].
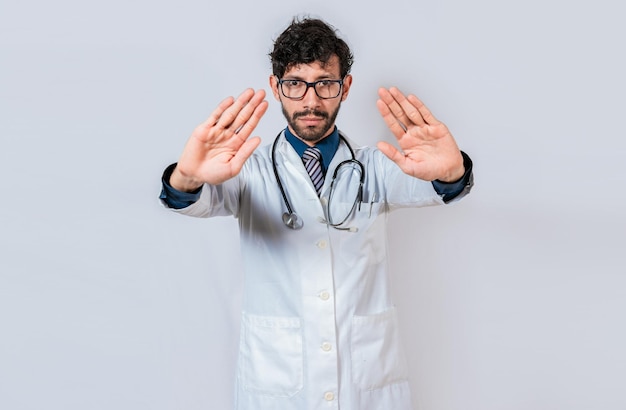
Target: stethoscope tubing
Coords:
[(290, 218)]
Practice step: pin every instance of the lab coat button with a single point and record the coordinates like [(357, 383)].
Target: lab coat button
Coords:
[(326, 346), (322, 244), (329, 396), (324, 295)]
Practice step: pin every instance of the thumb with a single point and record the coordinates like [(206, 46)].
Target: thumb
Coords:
[(244, 152), (391, 152)]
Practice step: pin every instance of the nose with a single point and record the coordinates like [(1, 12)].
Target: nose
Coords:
[(310, 98)]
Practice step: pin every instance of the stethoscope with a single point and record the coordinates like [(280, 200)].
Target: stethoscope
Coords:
[(292, 220)]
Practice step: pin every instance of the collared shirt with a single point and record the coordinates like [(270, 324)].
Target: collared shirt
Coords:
[(327, 146)]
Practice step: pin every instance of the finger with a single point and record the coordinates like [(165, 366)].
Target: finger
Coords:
[(428, 117), (229, 115), (244, 131), (392, 153), (217, 113), (252, 111), (244, 152), (411, 111), (391, 120), (394, 106)]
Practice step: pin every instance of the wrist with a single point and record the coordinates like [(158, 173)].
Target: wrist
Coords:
[(177, 180), (460, 172), (453, 176), (456, 173)]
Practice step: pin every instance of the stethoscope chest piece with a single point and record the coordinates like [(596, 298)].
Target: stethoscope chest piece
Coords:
[(292, 220)]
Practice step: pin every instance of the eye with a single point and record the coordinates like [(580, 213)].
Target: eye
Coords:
[(292, 83), (325, 83)]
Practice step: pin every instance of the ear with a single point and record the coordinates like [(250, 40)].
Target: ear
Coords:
[(274, 87), (347, 82)]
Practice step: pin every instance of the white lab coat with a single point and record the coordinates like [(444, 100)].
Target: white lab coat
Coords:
[(319, 329)]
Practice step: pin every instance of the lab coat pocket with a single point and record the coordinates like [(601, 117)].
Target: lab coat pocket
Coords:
[(377, 355), (271, 359)]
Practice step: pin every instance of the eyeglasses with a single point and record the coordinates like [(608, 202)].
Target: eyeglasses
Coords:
[(297, 89)]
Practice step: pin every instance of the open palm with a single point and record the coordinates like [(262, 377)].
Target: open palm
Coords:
[(428, 150), (218, 148)]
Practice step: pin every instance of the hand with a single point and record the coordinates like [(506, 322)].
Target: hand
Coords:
[(429, 151), (218, 148)]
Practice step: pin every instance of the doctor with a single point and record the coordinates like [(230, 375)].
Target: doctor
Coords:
[(318, 327)]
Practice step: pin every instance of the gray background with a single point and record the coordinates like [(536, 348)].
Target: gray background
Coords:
[(512, 299)]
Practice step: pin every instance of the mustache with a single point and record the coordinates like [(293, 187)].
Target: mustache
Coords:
[(308, 113)]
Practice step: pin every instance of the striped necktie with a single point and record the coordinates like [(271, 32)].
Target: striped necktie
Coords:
[(311, 159)]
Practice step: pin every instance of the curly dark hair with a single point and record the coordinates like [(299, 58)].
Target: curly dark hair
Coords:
[(306, 41)]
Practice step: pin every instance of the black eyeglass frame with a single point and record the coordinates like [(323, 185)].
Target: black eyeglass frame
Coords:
[(308, 85)]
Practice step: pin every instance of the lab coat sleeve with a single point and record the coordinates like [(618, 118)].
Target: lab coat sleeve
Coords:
[(401, 190), (213, 200)]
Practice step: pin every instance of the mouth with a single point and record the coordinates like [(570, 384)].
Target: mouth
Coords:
[(311, 120)]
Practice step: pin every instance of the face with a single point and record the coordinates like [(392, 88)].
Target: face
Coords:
[(311, 119)]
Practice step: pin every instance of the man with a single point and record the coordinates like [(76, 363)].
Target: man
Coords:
[(318, 328)]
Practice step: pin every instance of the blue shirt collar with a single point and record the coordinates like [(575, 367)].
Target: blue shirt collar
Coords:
[(328, 146)]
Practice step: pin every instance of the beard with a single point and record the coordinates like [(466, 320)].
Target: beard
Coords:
[(314, 133)]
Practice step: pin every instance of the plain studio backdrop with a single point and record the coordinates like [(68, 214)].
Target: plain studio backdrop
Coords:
[(512, 299)]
